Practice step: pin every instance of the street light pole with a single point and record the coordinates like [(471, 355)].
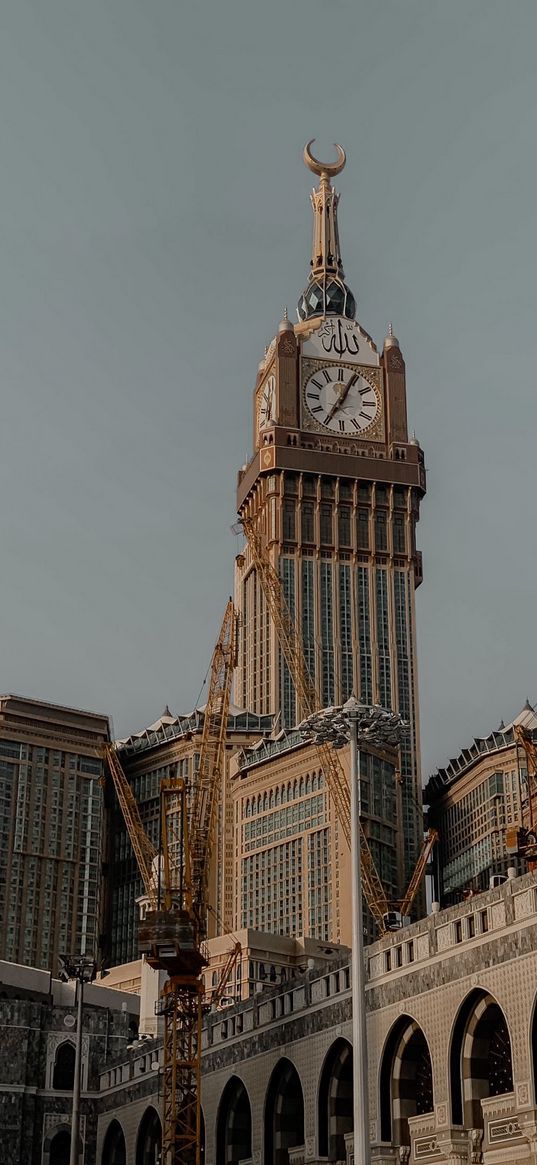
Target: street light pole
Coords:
[(359, 724), (360, 1089), (82, 970), (75, 1117)]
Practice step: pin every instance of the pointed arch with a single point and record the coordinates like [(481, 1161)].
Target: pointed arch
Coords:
[(63, 1076), (480, 1058), (284, 1113), (334, 1109), (233, 1124), (60, 1148), (406, 1080), (114, 1151), (149, 1139)]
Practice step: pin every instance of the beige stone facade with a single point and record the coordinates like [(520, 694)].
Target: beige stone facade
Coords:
[(452, 1045), (291, 863)]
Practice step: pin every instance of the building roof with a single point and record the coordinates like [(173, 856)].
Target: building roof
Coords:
[(503, 738), (169, 727)]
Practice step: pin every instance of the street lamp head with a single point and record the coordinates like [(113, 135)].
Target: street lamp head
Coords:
[(374, 725), (77, 967)]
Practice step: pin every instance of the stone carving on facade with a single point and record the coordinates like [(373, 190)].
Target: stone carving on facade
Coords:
[(475, 1137), (441, 1115), (522, 1095)]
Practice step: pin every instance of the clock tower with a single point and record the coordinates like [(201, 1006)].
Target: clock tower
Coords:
[(334, 485)]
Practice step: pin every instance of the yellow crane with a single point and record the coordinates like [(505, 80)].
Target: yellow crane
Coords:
[(309, 701), (429, 843), (176, 882)]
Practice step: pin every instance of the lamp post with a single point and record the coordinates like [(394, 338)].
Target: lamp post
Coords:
[(360, 724), (82, 970)]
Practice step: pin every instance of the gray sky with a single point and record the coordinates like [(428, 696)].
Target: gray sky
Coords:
[(154, 219)]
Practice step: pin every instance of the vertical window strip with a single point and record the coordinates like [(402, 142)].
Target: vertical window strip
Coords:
[(364, 635), (308, 617), (319, 885), (345, 631), (383, 637), (288, 702), (327, 634)]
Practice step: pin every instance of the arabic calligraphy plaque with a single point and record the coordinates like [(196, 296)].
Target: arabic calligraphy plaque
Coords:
[(340, 339)]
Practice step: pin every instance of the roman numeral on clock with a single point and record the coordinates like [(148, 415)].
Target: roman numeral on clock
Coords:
[(318, 409)]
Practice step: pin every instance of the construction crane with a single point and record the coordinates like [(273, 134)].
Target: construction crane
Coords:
[(308, 702), (429, 843), (176, 883)]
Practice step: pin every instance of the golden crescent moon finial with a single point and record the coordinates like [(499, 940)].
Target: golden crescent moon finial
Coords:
[(324, 169)]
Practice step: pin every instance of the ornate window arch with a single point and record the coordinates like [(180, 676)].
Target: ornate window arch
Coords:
[(233, 1124), (284, 1113), (63, 1073), (149, 1139), (335, 1113), (406, 1080), (57, 1141), (480, 1058), (114, 1151)]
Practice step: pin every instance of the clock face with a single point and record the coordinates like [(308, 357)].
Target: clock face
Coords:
[(342, 400), (267, 402)]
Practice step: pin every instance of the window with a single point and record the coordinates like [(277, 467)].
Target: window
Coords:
[(308, 522), (64, 1068), (381, 536), (289, 521), (344, 526), (399, 541), (363, 529), (458, 931), (327, 535)]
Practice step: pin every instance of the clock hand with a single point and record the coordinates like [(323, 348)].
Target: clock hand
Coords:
[(342, 396)]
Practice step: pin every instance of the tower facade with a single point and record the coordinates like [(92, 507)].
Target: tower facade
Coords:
[(334, 485)]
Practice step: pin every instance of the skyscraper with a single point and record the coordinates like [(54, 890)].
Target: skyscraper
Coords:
[(52, 831), (334, 484)]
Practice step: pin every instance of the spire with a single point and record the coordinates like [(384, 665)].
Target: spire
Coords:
[(285, 324), (326, 292), (391, 341)]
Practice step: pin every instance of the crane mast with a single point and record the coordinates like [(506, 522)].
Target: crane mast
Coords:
[(211, 763), (174, 925), (144, 850)]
